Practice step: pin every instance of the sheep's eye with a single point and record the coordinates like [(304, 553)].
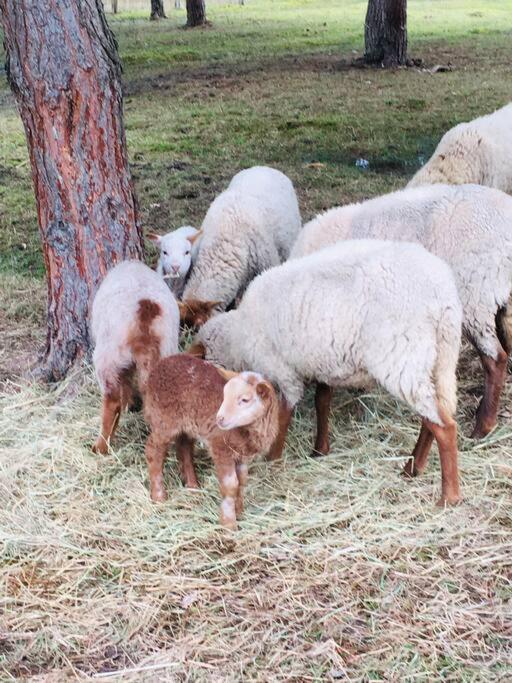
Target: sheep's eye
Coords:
[(187, 252), (244, 399), (164, 253)]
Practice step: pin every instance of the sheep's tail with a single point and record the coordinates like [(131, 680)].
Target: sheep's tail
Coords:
[(448, 347), (143, 342)]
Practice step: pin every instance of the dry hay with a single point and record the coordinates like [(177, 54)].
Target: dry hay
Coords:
[(341, 569)]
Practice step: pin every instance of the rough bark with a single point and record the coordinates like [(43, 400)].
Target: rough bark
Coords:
[(114, 6), (157, 10), (196, 13), (64, 70), (385, 34)]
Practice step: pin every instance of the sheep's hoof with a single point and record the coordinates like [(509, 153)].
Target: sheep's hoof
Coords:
[(319, 453), (410, 470), (229, 524), (100, 447), (481, 430), (449, 500), (158, 495)]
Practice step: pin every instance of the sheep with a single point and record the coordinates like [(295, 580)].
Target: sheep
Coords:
[(177, 250), (361, 311), (475, 152), (235, 415), (135, 321), (468, 226), (250, 227)]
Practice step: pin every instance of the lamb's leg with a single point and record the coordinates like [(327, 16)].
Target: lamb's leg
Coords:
[(242, 472), (446, 438), (229, 489), (110, 412), (495, 373), (418, 460), (285, 417), (156, 451), (323, 397), (185, 456)]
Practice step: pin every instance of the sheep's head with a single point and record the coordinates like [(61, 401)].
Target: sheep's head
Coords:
[(176, 250), (195, 313), (246, 398)]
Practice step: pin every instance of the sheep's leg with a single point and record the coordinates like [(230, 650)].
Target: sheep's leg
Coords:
[(229, 489), (487, 413), (418, 460), (110, 412), (156, 451), (285, 417), (242, 472), (323, 397), (185, 456), (446, 437)]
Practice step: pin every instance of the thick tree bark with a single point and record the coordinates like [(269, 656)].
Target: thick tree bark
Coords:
[(114, 6), (385, 34), (63, 67), (157, 9), (196, 13)]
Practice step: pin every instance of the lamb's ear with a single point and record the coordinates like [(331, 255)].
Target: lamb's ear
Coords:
[(210, 305), (226, 374), (442, 157), (153, 237), (264, 390), (193, 238), (197, 349)]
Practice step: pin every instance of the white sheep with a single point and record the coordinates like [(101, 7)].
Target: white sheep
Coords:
[(177, 250), (470, 227), (250, 227), (479, 151), (361, 311), (135, 322)]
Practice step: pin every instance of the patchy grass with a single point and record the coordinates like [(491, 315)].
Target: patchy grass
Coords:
[(341, 569)]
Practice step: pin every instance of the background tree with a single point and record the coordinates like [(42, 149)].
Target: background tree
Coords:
[(157, 9), (196, 13), (385, 34), (114, 6), (64, 70)]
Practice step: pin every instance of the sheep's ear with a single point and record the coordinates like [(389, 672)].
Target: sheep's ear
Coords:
[(193, 238), (210, 305), (226, 374), (153, 237), (197, 349), (442, 157), (263, 390)]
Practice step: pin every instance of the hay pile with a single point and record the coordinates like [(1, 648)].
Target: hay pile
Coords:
[(341, 569)]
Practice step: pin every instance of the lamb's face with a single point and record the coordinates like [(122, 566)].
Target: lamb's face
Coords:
[(176, 251), (244, 400)]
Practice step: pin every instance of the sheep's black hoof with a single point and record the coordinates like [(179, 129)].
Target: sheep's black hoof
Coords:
[(317, 454)]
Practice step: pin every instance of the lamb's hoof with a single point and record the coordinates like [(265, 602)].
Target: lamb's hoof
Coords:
[(410, 471), (193, 485), (100, 447), (158, 496), (317, 453), (229, 524), (449, 500), (482, 430)]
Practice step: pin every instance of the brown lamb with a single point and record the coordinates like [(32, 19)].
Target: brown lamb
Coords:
[(235, 415)]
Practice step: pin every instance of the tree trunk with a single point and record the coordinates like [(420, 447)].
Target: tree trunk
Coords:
[(64, 70), (114, 6), (157, 10), (196, 13), (385, 34)]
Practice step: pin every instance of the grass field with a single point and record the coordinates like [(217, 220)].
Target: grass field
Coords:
[(341, 570)]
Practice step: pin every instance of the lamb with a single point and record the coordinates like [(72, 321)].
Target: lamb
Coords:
[(135, 322), (361, 311), (236, 415), (250, 227), (476, 152), (469, 226), (177, 250)]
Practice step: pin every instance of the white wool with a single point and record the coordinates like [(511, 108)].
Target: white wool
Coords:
[(479, 151), (469, 226), (360, 311), (248, 228), (114, 314), (176, 256)]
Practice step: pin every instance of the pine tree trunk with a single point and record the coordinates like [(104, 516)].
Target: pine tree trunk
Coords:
[(64, 70), (196, 13), (157, 10), (385, 34)]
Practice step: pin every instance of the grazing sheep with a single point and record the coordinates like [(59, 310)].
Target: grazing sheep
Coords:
[(190, 399), (479, 151), (361, 311), (177, 249), (469, 227), (248, 228), (135, 322)]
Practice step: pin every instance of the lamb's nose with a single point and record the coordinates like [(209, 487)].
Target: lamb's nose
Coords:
[(175, 269), (220, 420)]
